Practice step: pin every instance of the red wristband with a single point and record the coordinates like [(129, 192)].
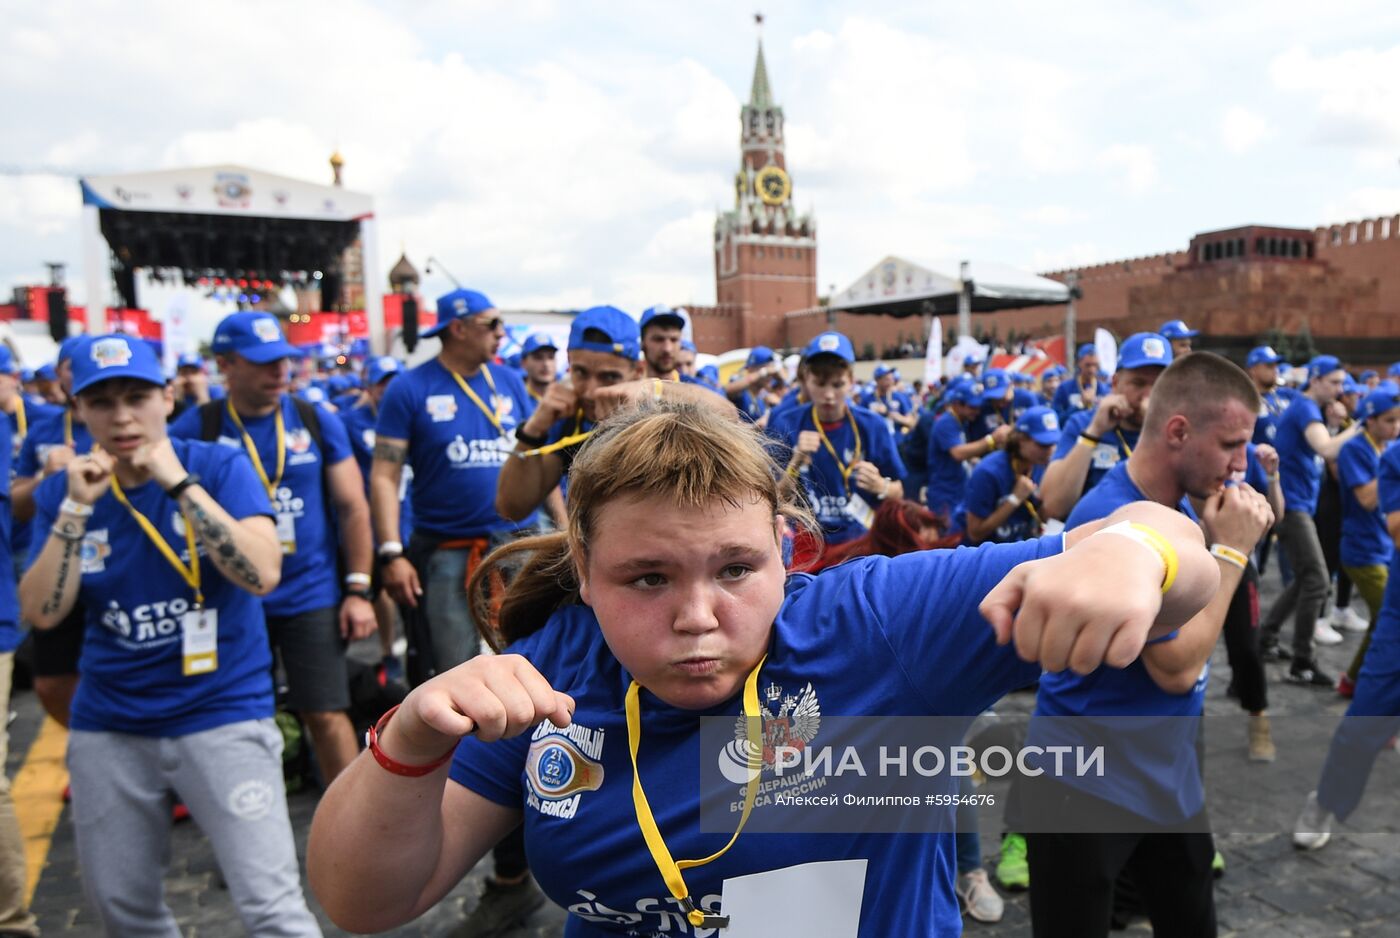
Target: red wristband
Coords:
[(392, 765)]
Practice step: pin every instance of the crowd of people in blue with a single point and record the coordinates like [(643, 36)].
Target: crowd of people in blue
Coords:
[(588, 549)]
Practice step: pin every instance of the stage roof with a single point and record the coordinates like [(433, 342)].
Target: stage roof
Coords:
[(225, 190), (898, 287)]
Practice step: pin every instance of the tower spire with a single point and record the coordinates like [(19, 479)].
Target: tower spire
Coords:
[(761, 94)]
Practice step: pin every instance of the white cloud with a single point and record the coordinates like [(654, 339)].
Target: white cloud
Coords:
[(1054, 215), (1241, 129), (1355, 95), (1371, 202), (1135, 163)]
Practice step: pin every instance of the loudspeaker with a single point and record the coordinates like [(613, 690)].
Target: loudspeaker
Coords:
[(58, 314), (410, 322)]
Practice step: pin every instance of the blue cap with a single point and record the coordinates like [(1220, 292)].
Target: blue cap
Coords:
[(831, 343), (8, 365), (1368, 374), (995, 384), (45, 373), (1176, 329), (537, 341), (69, 347), (1054, 371), (882, 370), (972, 360), (384, 366), (625, 338), (1393, 371), (313, 395), (1262, 355), (966, 392), (1085, 350), (1145, 349), (759, 356), (1377, 402), (1040, 424), (662, 315), (458, 304), (708, 373), (1350, 386), (1323, 365), (254, 336), (116, 356), (190, 360), (688, 346), (1020, 377), (26, 375)]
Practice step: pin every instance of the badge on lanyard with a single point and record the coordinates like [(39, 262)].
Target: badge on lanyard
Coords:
[(860, 510), (287, 531), (200, 631)]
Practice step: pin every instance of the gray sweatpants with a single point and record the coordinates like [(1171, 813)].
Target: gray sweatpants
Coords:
[(230, 778), (1306, 596)]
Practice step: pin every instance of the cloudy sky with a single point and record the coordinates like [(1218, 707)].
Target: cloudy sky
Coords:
[(559, 154)]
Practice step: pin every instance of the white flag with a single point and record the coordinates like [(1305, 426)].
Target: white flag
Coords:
[(933, 356), (1107, 350)]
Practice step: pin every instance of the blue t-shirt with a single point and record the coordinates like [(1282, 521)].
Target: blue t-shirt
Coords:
[(359, 427), (897, 402), (947, 477), (991, 481), (1160, 778), (22, 531), (302, 510), (991, 417), (913, 449), (132, 659), (46, 432), (1299, 466), (1271, 408), (1365, 540), (1116, 447), (788, 402), (827, 492), (10, 634), (1385, 640), (1069, 398), (455, 450), (923, 650)]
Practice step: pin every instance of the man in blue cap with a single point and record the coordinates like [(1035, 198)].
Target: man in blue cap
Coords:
[(748, 389), (1262, 363), (453, 421), (662, 329), (896, 407), (54, 438), (949, 448), (685, 364), (1304, 443), (1370, 379), (46, 385), (538, 355), (1050, 380), (1179, 335), (309, 476), (191, 384), (1084, 391), (1096, 440), (998, 397), (844, 456)]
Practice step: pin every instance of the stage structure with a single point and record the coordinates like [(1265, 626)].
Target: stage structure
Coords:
[(221, 224)]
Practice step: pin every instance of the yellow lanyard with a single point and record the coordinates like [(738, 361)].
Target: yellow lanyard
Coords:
[(578, 436), (1374, 445), (660, 854), (21, 418), (248, 444), (1029, 502), (68, 427), (842, 467), (491, 415), (1123, 440), (190, 573), (531, 391)]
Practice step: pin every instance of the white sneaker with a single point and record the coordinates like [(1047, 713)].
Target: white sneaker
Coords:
[(1324, 634), (1349, 620), (1314, 825), (980, 897)]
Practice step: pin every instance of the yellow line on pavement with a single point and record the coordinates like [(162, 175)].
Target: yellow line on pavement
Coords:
[(38, 796)]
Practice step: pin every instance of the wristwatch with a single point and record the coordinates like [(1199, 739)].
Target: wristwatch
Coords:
[(363, 592)]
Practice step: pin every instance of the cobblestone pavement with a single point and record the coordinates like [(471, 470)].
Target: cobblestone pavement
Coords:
[(1269, 889)]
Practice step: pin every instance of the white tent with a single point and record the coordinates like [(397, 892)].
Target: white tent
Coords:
[(899, 287)]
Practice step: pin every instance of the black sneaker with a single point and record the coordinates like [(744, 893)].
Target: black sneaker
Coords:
[(501, 909), (1273, 651), (1307, 673)]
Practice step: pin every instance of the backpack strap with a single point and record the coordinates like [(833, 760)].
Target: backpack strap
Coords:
[(211, 421)]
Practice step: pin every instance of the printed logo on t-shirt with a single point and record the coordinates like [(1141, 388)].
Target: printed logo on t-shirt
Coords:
[(149, 625), (95, 551), (299, 445), (561, 765), (474, 454), (368, 436), (790, 723), (441, 407)]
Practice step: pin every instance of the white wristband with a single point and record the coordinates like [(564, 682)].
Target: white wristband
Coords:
[(391, 547), (1013, 499), (357, 579), (1229, 555), (70, 507)]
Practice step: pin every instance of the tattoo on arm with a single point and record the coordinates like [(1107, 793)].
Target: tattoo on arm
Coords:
[(65, 563), (216, 535), (394, 453)]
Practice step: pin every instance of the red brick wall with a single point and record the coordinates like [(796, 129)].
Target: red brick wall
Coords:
[(1369, 249)]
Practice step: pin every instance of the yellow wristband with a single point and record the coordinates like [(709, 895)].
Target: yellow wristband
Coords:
[(1229, 555), (656, 389), (1088, 441), (991, 443), (1153, 541)]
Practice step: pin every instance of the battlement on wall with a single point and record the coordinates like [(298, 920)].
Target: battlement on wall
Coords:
[(1132, 265), (1362, 231)]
